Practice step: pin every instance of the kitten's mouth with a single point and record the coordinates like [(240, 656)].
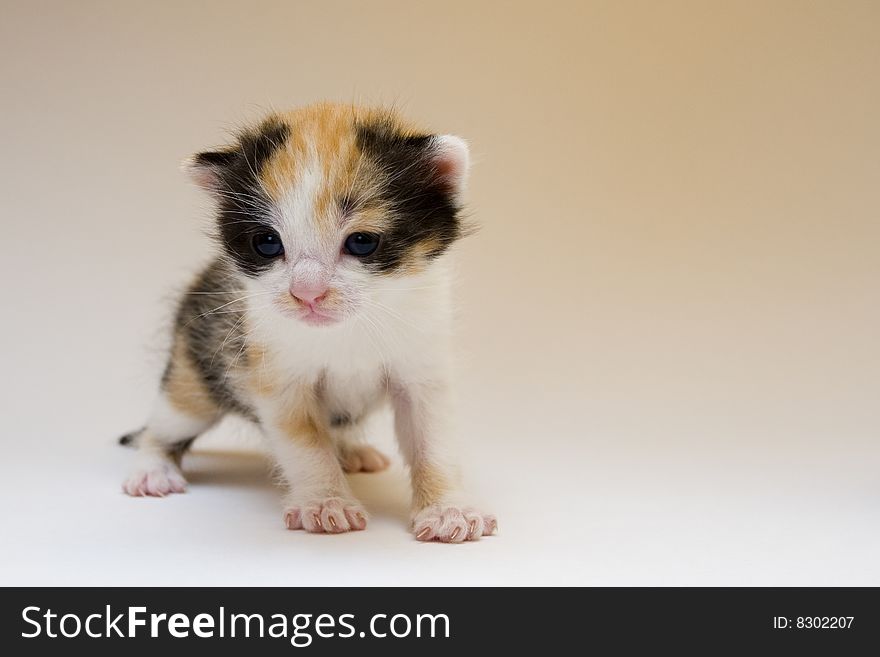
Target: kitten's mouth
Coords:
[(307, 314), (317, 318)]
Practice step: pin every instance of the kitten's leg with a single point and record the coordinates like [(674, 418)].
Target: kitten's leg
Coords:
[(160, 447), (439, 513), (319, 497), (355, 455), (183, 410)]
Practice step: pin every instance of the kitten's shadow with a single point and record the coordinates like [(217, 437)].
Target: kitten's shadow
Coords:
[(383, 494), (233, 468)]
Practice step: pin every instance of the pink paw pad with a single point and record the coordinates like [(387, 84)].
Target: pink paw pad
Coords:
[(363, 458)]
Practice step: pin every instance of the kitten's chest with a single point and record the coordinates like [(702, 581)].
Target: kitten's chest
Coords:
[(332, 353), (346, 369), (348, 398), (343, 358)]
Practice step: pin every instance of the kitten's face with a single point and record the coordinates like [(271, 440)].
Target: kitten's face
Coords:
[(321, 206)]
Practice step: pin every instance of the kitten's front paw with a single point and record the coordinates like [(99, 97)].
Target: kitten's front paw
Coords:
[(363, 458), (157, 480), (452, 524), (332, 515)]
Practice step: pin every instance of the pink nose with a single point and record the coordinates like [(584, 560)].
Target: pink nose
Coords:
[(310, 295)]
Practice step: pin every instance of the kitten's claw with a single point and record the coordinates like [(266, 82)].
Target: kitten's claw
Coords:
[(362, 458), (333, 515), (452, 524), (293, 519)]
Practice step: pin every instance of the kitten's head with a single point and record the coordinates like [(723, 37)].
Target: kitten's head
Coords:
[(320, 206)]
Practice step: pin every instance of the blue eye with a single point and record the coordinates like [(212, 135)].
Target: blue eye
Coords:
[(361, 244), (268, 245)]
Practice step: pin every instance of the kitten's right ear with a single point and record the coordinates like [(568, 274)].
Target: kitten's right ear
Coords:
[(206, 169)]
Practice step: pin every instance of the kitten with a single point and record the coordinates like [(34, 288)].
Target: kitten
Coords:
[(330, 296)]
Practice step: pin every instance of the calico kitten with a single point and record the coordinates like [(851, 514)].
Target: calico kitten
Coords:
[(329, 296)]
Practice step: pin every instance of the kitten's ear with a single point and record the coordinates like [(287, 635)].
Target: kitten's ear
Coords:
[(452, 161), (206, 169)]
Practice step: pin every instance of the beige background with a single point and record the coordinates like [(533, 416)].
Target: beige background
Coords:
[(669, 320)]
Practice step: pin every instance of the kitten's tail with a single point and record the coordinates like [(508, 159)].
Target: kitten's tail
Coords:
[(130, 439)]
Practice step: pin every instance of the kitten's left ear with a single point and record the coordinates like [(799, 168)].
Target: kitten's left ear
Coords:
[(206, 169), (452, 161)]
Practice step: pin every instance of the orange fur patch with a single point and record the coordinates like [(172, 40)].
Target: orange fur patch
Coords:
[(416, 258), (323, 138), (301, 421), (428, 486), (261, 376), (183, 385)]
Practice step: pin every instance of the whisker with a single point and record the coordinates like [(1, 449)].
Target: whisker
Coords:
[(228, 303), (394, 314)]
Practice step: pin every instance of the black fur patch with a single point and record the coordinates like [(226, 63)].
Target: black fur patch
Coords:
[(216, 158), (423, 208), (176, 450), (210, 321), (244, 207)]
